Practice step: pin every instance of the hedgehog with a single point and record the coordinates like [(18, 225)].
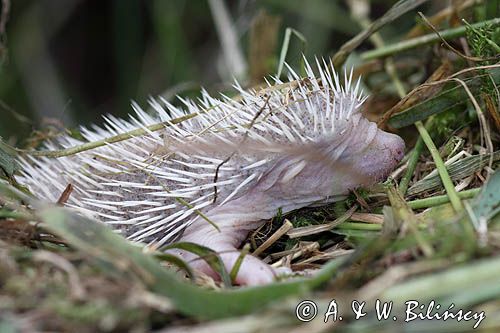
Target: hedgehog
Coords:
[(216, 176)]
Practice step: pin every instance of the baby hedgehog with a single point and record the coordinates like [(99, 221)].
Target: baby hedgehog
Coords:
[(233, 165)]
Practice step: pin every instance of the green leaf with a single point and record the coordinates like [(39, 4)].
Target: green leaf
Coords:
[(208, 255), (487, 204)]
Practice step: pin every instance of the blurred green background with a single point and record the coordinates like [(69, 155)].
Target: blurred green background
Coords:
[(67, 62)]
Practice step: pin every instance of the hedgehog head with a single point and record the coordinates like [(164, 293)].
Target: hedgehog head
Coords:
[(365, 154)]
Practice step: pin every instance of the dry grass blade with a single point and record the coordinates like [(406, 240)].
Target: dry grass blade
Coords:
[(457, 170), (406, 218), (483, 124), (304, 248), (492, 111), (328, 254), (367, 218), (274, 237)]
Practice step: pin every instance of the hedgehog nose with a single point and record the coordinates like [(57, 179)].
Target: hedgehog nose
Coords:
[(397, 148), (393, 149)]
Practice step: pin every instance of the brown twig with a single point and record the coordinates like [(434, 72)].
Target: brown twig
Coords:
[(257, 115), (65, 195)]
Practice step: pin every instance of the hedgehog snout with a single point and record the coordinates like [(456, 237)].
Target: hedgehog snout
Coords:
[(389, 152)]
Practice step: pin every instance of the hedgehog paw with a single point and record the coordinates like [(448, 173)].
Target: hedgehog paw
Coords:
[(252, 270)]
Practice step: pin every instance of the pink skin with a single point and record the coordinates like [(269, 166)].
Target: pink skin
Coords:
[(360, 158)]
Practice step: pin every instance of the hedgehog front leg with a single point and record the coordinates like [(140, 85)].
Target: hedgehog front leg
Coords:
[(235, 220)]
